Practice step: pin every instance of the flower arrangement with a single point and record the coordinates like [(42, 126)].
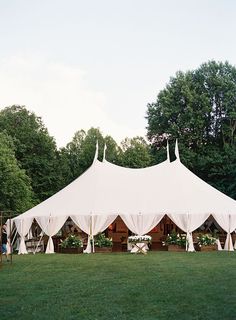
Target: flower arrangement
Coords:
[(100, 241), (175, 239), (136, 239), (71, 242), (206, 240)]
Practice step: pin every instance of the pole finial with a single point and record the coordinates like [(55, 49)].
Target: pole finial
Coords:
[(177, 150), (104, 152), (167, 151), (96, 153)]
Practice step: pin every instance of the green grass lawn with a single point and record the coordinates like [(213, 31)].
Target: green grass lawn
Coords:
[(160, 285)]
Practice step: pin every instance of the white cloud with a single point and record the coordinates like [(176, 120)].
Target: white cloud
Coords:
[(58, 93)]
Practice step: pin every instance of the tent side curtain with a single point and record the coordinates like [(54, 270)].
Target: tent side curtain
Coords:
[(141, 224), (50, 226), (228, 224), (22, 227), (188, 223), (93, 224)]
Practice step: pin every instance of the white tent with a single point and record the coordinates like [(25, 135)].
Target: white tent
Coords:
[(140, 196)]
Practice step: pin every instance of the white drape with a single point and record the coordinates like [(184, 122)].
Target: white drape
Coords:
[(141, 224), (188, 223), (23, 226), (83, 222), (50, 226), (219, 248), (92, 225), (100, 224), (228, 224)]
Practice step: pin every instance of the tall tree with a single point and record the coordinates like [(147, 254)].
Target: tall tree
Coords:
[(199, 108), (35, 150), (136, 153), (15, 189), (113, 151), (78, 155), (71, 155)]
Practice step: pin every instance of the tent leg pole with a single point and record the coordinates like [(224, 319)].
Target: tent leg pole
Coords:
[(229, 235), (229, 243), (10, 243)]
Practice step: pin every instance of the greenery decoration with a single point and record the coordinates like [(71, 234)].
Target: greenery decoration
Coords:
[(100, 240), (206, 240), (71, 241), (175, 239), (136, 239)]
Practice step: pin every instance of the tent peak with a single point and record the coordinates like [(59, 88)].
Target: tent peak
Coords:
[(104, 153), (177, 150), (96, 153), (167, 151)]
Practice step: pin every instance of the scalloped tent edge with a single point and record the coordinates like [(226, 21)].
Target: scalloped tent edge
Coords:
[(140, 196)]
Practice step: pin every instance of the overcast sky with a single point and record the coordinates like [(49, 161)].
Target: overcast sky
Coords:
[(79, 64)]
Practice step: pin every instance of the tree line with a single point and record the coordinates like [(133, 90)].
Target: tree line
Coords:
[(198, 107), (33, 169)]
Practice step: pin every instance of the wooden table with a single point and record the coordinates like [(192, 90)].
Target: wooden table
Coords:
[(139, 247)]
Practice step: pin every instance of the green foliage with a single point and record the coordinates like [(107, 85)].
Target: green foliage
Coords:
[(100, 240), (79, 153), (206, 240), (113, 151), (175, 238), (199, 108), (50, 170), (15, 189), (35, 150), (71, 241), (136, 153), (136, 239)]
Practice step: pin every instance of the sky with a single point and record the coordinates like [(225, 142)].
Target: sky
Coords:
[(81, 64)]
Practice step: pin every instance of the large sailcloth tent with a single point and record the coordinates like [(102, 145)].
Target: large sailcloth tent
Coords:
[(141, 197)]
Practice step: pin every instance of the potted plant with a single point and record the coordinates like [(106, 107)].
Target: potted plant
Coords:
[(72, 244), (175, 242), (206, 242), (102, 244)]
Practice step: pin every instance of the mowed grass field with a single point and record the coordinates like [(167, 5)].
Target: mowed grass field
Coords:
[(160, 285)]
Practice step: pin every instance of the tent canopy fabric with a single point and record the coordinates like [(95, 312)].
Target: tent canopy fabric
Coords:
[(108, 189), (140, 196)]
